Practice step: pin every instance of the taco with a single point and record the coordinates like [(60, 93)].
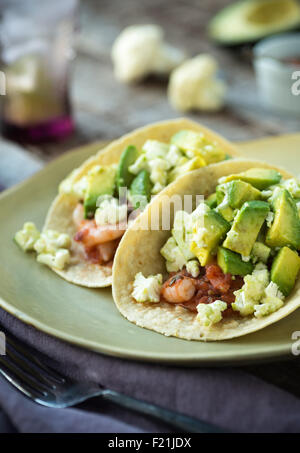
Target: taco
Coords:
[(90, 214), (225, 268)]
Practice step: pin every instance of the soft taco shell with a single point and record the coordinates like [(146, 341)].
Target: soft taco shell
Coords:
[(59, 216), (139, 251)]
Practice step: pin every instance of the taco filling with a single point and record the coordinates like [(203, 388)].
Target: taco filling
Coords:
[(109, 197), (236, 255)]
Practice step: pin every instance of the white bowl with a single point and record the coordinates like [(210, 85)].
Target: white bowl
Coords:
[(276, 78)]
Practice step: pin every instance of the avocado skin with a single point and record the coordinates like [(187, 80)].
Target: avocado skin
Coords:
[(142, 186), (260, 178), (124, 178), (285, 268), (285, 229), (246, 226), (232, 263), (230, 14)]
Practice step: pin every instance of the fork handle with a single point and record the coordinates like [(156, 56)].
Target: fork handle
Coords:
[(180, 421)]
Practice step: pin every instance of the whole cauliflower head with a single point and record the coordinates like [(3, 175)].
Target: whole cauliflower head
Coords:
[(195, 86), (140, 50)]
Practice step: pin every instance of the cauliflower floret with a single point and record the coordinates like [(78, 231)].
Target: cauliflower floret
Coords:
[(110, 211), (252, 291), (155, 149), (58, 260), (292, 185), (209, 314), (269, 305), (27, 237), (270, 218), (50, 241), (147, 289), (140, 164), (193, 268), (158, 174), (175, 260), (272, 290), (243, 304), (246, 259), (194, 85), (174, 156), (140, 50), (72, 186)]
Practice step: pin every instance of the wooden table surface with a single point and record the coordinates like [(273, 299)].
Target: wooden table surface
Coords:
[(105, 109)]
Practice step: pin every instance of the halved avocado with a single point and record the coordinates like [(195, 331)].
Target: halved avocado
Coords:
[(250, 20)]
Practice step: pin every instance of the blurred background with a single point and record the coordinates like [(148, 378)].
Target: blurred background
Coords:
[(83, 91)]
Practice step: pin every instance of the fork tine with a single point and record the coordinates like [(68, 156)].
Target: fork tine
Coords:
[(24, 353), (24, 381), (29, 368)]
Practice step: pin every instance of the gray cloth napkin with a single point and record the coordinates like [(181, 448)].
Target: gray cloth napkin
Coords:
[(230, 398)]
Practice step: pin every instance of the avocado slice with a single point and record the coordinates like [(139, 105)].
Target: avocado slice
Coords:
[(232, 263), (250, 20), (194, 144), (261, 178), (140, 189), (246, 226), (100, 181), (216, 227), (285, 268), (285, 229), (211, 201), (128, 157), (232, 195), (237, 193), (226, 211)]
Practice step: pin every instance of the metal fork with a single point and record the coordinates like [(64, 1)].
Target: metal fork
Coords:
[(44, 385)]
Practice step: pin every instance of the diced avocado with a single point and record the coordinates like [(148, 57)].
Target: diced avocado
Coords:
[(285, 268), (285, 229), (238, 192), (211, 201), (260, 252), (124, 177), (100, 181), (246, 226), (215, 227), (140, 189), (195, 144), (180, 234), (188, 140), (232, 263), (189, 165), (248, 21), (261, 178), (226, 211)]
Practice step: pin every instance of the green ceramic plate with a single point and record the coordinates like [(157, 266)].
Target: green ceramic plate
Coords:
[(87, 317)]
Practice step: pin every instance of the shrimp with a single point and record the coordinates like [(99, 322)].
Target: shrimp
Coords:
[(91, 234), (178, 290)]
